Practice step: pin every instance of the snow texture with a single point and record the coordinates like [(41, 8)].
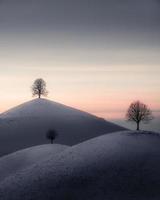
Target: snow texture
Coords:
[(122, 165), (12, 163), (27, 124)]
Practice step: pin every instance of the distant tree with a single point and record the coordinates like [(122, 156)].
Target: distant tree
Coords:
[(139, 112), (39, 88), (51, 135)]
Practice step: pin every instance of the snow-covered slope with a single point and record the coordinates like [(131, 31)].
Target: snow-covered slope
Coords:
[(27, 124), (19, 160), (43, 107), (122, 165)]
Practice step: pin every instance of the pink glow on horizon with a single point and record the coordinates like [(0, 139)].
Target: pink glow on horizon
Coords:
[(101, 107)]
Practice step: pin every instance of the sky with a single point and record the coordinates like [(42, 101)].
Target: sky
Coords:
[(95, 55)]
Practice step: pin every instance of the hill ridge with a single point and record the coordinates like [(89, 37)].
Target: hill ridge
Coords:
[(94, 169), (26, 125), (43, 101)]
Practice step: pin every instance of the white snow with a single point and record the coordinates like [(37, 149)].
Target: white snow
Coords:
[(42, 107), (121, 165), (17, 161), (27, 124)]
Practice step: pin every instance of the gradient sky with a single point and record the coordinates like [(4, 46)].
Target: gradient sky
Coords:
[(95, 55)]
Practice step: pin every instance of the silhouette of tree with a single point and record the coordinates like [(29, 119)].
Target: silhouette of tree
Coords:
[(139, 112), (51, 135), (39, 88)]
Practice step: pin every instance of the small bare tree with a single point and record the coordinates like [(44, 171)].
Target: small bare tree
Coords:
[(51, 135), (139, 112), (39, 88)]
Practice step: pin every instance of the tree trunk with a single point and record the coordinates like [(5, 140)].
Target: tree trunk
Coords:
[(137, 126), (39, 95), (51, 141)]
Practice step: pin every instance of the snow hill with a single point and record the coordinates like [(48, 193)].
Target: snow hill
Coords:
[(27, 124), (19, 160), (123, 165)]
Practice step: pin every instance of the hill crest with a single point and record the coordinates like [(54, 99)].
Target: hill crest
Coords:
[(94, 169), (42, 107), (26, 125)]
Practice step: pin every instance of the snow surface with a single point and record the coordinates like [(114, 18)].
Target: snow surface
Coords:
[(12, 163), (122, 165), (27, 124), (39, 107)]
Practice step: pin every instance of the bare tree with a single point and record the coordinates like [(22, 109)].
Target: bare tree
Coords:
[(39, 88), (51, 135), (139, 112)]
